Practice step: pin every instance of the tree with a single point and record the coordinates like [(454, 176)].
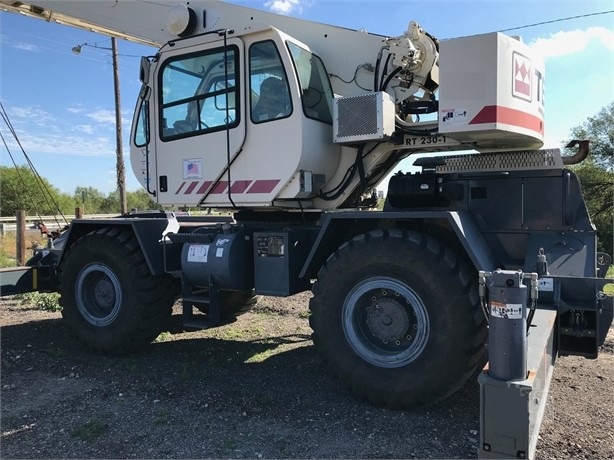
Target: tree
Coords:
[(89, 198), (599, 129), (596, 174), (95, 202), (598, 189), (141, 200), (21, 189), (110, 204)]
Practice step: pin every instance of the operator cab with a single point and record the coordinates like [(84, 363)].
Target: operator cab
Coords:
[(243, 121)]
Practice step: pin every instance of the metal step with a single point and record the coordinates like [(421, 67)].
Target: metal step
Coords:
[(197, 300), (191, 297)]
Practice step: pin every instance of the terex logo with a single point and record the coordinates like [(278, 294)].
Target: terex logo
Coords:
[(523, 73)]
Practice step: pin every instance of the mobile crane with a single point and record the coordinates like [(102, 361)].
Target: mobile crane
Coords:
[(291, 124)]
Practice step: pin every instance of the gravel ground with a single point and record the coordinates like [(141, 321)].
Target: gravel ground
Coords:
[(251, 389)]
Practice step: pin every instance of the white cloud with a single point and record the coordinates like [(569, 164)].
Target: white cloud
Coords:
[(107, 117), (102, 116), (26, 46), (31, 116), (60, 144), (285, 6), (17, 44), (75, 109), (87, 129), (31, 113), (572, 42)]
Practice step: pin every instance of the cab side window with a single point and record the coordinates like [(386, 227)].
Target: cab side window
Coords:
[(199, 93), (269, 91), (141, 132), (316, 90)]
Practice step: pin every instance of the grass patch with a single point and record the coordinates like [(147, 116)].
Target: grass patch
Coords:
[(8, 246), (164, 337), (5, 259), (49, 301), (262, 356), (230, 444), (131, 364), (608, 289), (91, 430), (230, 334), (163, 417), (8, 250)]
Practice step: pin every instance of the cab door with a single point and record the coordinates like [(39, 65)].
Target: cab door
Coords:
[(200, 121)]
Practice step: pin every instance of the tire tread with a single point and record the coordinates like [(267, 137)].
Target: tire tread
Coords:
[(450, 266)]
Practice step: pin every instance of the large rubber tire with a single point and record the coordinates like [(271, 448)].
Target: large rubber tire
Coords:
[(108, 295), (233, 303), (396, 317)]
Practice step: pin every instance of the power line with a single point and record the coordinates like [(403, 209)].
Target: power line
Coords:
[(46, 193), (557, 20)]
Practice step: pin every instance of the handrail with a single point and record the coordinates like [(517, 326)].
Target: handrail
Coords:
[(10, 219)]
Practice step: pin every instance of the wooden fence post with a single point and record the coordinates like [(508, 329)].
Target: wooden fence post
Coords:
[(21, 237)]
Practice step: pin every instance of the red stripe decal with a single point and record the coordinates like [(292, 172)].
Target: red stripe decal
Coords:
[(190, 188), (220, 187), (263, 186), (204, 187), (240, 186), (498, 114)]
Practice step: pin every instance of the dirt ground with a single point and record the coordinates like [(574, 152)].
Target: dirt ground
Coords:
[(251, 389)]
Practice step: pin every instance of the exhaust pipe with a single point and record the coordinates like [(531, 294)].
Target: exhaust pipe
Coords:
[(580, 156)]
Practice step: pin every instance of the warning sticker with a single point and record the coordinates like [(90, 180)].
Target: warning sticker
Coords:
[(198, 253), (506, 310), (545, 284), (453, 116)]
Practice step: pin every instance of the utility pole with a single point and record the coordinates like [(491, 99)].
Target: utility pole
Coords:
[(121, 176)]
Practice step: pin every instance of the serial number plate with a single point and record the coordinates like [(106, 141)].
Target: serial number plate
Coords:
[(422, 141)]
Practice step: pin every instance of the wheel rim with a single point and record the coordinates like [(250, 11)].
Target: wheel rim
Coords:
[(385, 322), (99, 294)]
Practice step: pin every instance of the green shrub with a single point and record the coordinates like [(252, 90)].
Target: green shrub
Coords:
[(90, 430), (6, 260), (48, 301)]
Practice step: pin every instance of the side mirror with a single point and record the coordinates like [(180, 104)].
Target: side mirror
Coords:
[(144, 73)]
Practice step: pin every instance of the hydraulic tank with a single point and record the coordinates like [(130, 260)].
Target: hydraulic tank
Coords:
[(225, 256)]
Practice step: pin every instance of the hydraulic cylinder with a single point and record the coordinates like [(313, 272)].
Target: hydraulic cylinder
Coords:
[(507, 335)]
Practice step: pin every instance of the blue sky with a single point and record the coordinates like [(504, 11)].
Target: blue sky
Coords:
[(62, 105)]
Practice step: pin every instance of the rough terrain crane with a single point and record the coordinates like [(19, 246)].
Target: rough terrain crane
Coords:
[(291, 124)]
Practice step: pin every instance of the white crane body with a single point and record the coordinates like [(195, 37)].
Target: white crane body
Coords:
[(490, 99)]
